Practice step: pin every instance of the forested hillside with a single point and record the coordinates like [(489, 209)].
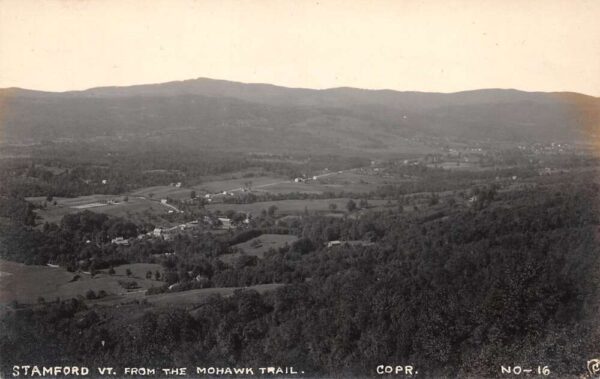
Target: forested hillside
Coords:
[(206, 113), (454, 293)]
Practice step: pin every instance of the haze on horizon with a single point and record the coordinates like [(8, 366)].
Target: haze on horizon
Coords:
[(434, 46)]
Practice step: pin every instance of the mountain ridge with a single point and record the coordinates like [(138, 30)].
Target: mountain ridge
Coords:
[(236, 115), (268, 85)]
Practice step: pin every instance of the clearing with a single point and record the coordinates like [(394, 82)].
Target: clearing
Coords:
[(258, 246)]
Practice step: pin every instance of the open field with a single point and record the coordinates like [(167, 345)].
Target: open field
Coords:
[(138, 270), (258, 246), (355, 180), (196, 297), (466, 166), (236, 184), (143, 204), (162, 192), (185, 299), (72, 202), (212, 185), (286, 207), (290, 187), (26, 283), (100, 204)]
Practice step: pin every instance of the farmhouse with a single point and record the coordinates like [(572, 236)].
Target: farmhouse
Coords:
[(120, 241), (200, 278), (225, 222), (333, 243)]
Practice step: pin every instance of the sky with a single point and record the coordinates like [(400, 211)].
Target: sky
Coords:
[(407, 45)]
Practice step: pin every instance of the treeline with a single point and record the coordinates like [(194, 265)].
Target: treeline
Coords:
[(77, 169), (80, 241)]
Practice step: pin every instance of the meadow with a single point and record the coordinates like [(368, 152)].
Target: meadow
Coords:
[(258, 246), (291, 207), (28, 283), (134, 207)]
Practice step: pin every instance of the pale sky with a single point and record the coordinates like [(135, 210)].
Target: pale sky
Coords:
[(441, 45)]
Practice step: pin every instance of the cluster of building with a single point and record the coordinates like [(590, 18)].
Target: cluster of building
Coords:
[(168, 233)]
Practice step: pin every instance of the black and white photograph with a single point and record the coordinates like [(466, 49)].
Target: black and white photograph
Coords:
[(300, 189)]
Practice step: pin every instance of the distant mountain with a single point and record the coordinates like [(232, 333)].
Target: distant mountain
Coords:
[(218, 114)]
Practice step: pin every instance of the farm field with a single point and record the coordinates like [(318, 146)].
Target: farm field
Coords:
[(27, 283), (143, 204), (212, 185), (466, 166), (258, 246), (285, 207), (134, 207), (196, 297), (309, 187), (162, 192), (236, 184), (138, 270), (72, 202), (353, 180)]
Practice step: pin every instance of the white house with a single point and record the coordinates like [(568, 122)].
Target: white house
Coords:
[(225, 222), (120, 241), (333, 243)]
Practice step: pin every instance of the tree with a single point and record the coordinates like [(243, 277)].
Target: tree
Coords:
[(351, 205), (303, 246), (271, 210), (128, 272), (149, 274), (157, 275), (111, 271), (434, 199), (332, 206), (192, 194), (238, 218), (90, 295)]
